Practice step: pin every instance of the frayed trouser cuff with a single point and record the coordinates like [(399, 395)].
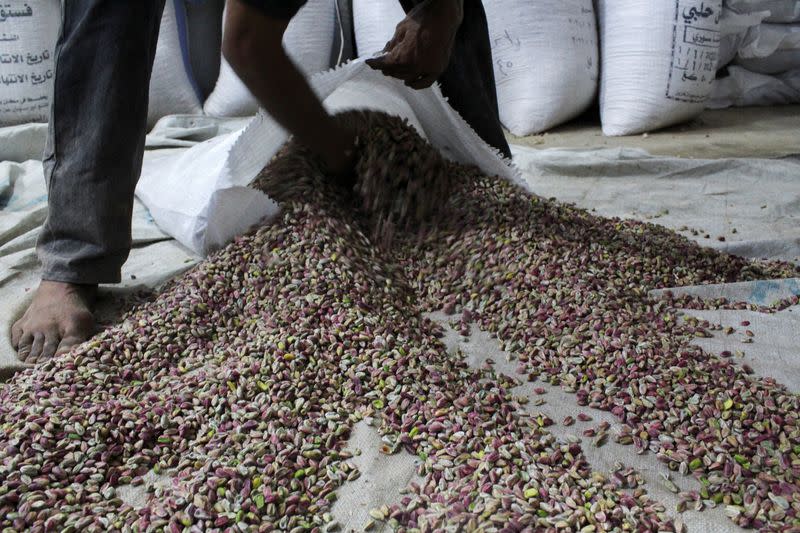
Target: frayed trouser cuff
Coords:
[(95, 277)]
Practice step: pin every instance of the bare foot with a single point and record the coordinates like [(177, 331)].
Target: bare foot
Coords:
[(59, 317)]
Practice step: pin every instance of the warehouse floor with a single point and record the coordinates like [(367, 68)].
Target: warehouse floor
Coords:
[(717, 177), (761, 132)]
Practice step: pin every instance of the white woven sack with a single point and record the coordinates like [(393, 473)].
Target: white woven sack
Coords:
[(545, 61), (772, 49), (374, 22), (28, 35), (308, 40), (658, 61), (203, 199), (172, 87), (780, 10), (735, 29), (742, 88)]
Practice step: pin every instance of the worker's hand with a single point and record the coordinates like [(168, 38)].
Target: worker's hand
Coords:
[(252, 46), (420, 49)]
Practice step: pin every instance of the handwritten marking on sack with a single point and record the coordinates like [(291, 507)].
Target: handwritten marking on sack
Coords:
[(504, 66), (508, 42), (507, 45), (695, 48), (513, 41), (584, 30)]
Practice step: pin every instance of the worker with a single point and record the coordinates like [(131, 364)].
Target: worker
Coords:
[(95, 144)]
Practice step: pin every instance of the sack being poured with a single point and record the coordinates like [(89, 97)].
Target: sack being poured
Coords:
[(204, 198), (399, 181)]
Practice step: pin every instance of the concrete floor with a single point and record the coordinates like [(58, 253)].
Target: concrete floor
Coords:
[(764, 132)]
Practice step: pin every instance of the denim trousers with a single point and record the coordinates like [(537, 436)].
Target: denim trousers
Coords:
[(468, 81), (98, 122)]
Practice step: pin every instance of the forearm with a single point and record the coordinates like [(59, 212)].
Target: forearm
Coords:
[(257, 56), (288, 98)]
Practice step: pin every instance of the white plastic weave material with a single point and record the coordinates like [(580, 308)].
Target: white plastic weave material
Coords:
[(743, 88), (735, 29), (658, 61), (771, 49), (202, 198), (545, 61), (308, 40), (28, 34), (172, 87), (782, 11), (374, 22)]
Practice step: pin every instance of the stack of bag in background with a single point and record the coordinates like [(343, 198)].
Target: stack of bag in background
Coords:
[(658, 61), (761, 60), (546, 58), (309, 41), (545, 55), (187, 68), (184, 58), (545, 61), (655, 63), (28, 34), (173, 89), (374, 22)]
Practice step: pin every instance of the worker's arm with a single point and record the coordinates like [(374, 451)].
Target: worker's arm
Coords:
[(420, 49), (253, 46)]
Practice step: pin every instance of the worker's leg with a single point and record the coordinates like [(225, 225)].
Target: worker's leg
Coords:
[(468, 81), (92, 162)]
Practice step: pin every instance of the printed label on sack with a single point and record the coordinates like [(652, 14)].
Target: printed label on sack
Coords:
[(695, 50), (26, 61)]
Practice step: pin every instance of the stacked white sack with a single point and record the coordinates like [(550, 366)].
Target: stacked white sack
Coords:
[(173, 90), (27, 60), (28, 35), (309, 42), (545, 61), (780, 11), (374, 22), (771, 49), (658, 61), (735, 30), (765, 67), (743, 88)]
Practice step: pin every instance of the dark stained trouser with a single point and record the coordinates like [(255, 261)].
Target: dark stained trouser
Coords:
[(98, 122), (468, 81)]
